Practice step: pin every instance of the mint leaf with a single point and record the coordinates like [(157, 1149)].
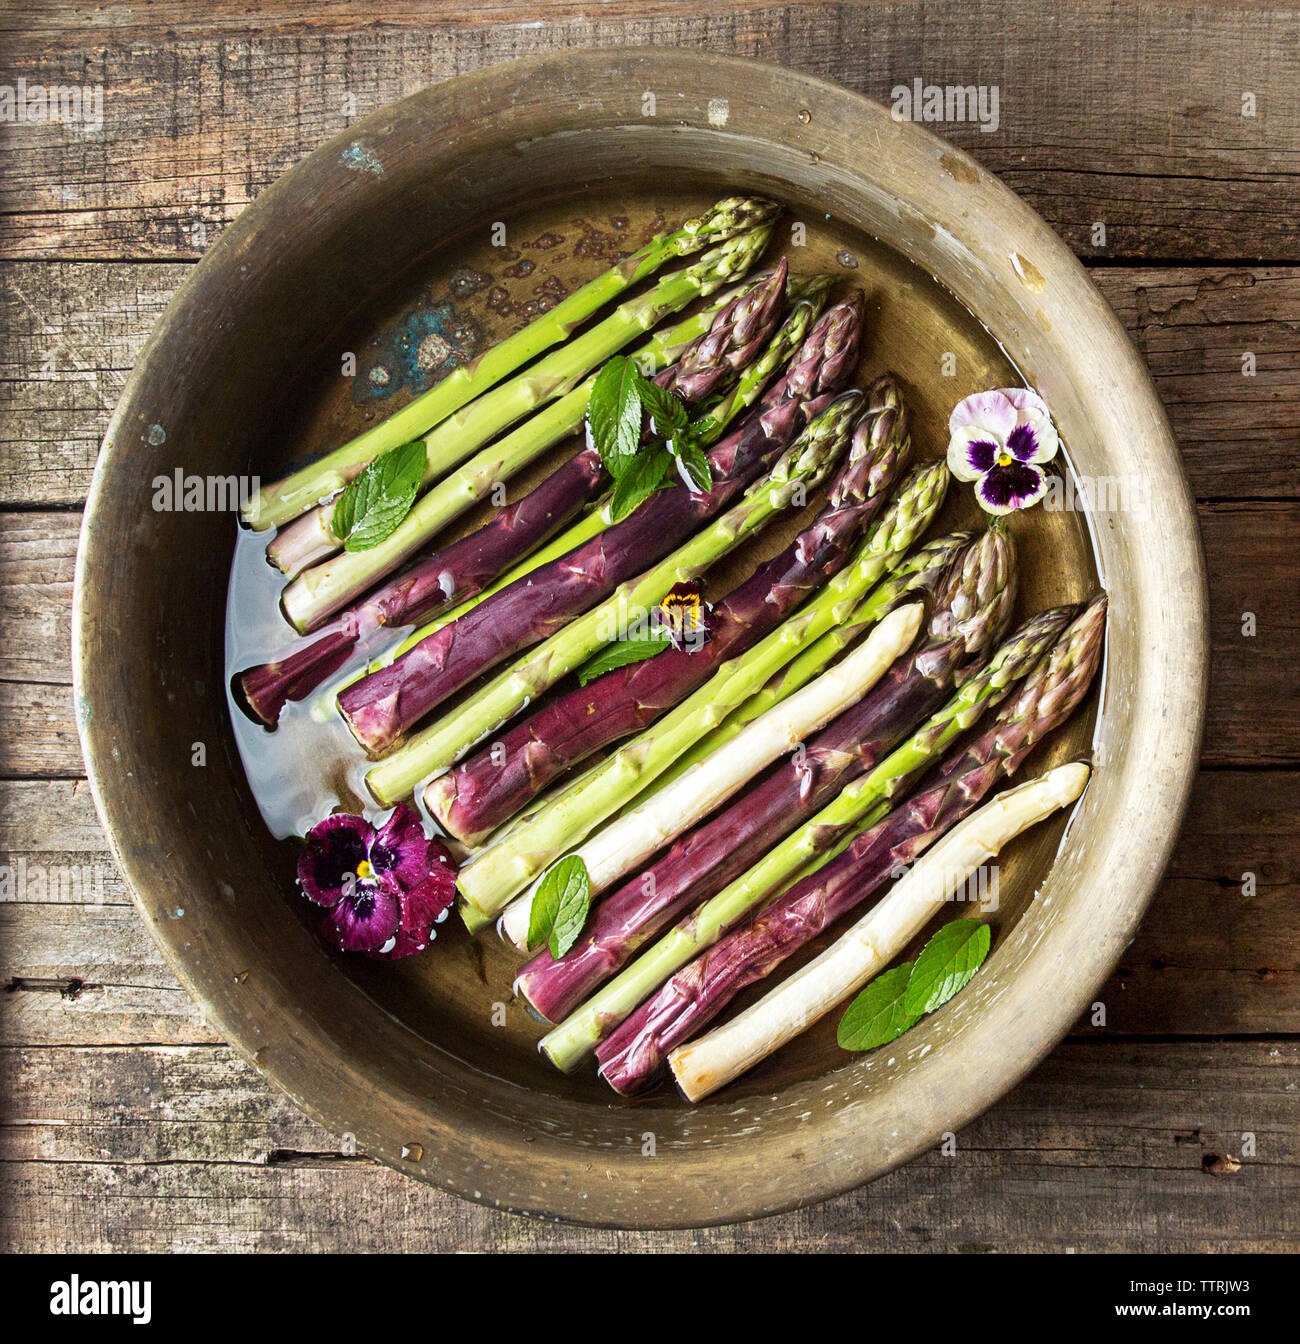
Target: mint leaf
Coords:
[(878, 1015), (614, 413), (694, 461), (560, 904), (373, 505), (664, 409), (641, 477), (946, 963), (623, 653)]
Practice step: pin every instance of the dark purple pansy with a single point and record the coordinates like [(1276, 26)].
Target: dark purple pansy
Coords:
[(336, 848), (367, 916), (384, 890), (424, 907), (997, 439)]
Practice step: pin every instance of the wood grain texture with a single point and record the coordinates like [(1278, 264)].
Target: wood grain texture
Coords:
[(1102, 1149), (1126, 116)]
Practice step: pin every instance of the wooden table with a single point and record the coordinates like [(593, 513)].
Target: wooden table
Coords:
[(125, 1124)]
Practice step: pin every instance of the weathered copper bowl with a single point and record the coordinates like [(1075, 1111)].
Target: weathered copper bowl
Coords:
[(408, 1064)]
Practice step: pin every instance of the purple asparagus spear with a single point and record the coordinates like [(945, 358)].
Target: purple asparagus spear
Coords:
[(382, 706), (971, 611), (630, 1059), (495, 783)]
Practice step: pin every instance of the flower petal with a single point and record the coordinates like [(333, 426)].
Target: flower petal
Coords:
[(1033, 439), (335, 846), (423, 907), (992, 412), (401, 848), (971, 452), (1005, 489), (1026, 399), (366, 918)]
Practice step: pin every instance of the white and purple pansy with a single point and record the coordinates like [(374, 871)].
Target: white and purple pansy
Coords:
[(384, 891), (998, 439)]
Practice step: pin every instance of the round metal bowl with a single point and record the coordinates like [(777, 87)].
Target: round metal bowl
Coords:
[(357, 217)]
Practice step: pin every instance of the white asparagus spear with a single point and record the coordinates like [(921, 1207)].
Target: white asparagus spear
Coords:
[(710, 1061), (623, 845)]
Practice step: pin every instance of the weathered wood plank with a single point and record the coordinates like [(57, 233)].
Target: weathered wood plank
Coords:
[(91, 975), (197, 121), (38, 553), (73, 332), (1251, 554), (1209, 958), (1223, 347), (41, 737), (1219, 949), (1251, 549), (1100, 1149)]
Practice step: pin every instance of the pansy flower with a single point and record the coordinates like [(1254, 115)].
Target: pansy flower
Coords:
[(384, 891), (998, 439)]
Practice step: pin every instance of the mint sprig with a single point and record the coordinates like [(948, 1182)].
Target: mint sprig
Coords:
[(372, 506), (897, 1000), (622, 400), (614, 413), (560, 905)]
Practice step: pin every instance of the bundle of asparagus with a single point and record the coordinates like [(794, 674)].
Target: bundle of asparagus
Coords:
[(808, 293), (383, 705), (713, 350), (920, 573), (704, 1065), (859, 805), (319, 591), (739, 881), (970, 614), (631, 1058), (499, 872), (492, 786), (279, 503)]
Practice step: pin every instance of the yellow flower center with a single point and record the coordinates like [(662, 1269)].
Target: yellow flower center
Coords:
[(1004, 459), (364, 869)]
